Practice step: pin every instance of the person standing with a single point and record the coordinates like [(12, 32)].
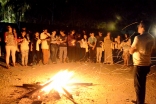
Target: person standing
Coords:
[(11, 46), (84, 48), (92, 47), (71, 46), (63, 47), (54, 41), (108, 46), (116, 51), (24, 48), (141, 50), (37, 48), (78, 51), (99, 47), (125, 46), (45, 38)]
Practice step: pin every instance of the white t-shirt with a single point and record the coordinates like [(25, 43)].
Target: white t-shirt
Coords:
[(144, 45), (44, 44)]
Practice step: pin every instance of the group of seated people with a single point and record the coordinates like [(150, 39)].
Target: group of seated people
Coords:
[(29, 48)]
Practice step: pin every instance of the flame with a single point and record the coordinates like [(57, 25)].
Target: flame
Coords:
[(59, 81)]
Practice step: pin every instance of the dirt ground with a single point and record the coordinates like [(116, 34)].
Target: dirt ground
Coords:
[(112, 84)]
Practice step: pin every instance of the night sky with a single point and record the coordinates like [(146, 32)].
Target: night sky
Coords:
[(95, 9), (86, 13)]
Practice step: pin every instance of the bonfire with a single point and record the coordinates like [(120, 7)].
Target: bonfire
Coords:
[(61, 84)]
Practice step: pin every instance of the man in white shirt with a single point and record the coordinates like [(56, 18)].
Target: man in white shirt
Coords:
[(141, 50), (45, 38)]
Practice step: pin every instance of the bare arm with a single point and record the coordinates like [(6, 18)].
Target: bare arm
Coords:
[(134, 46)]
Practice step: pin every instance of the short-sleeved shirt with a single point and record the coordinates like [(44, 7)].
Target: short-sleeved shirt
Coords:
[(44, 43), (63, 38), (144, 44), (99, 41), (92, 40)]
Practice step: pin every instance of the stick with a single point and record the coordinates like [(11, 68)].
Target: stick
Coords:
[(70, 99), (31, 85), (81, 84), (68, 95), (33, 91)]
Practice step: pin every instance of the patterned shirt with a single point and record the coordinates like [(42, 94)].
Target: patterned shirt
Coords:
[(10, 39)]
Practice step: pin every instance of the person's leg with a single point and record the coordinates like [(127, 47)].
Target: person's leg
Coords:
[(140, 73), (52, 53), (97, 54), (7, 55), (65, 54), (74, 54), (44, 56), (100, 54), (91, 54), (82, 58), (61, 53), (13, 54), (128, 58), (26, 57), (70, 53), (23, 55), (55, 53), (31, 57), (47, 55), (38, 56)]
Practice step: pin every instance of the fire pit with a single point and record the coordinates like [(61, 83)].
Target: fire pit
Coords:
[(63, 84)]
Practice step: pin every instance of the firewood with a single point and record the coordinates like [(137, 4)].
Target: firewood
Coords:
[(81, 84), (29, 94), (68, 95), (31, 85)]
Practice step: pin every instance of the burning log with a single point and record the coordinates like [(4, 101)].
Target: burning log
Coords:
[(81, 84), (71, 84), (58, 83), (31, 85), (37, 89)]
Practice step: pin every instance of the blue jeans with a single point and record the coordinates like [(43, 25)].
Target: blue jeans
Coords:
[(53, 53), (140, 73)]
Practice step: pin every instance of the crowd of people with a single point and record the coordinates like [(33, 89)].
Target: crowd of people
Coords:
[(29, 48)]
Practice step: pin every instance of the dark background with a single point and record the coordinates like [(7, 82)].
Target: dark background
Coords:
[(85, 13)]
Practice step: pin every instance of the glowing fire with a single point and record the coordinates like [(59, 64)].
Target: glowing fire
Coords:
[(59, 81)]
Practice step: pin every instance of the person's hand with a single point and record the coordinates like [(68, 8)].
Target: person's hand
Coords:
[(93, 48)]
